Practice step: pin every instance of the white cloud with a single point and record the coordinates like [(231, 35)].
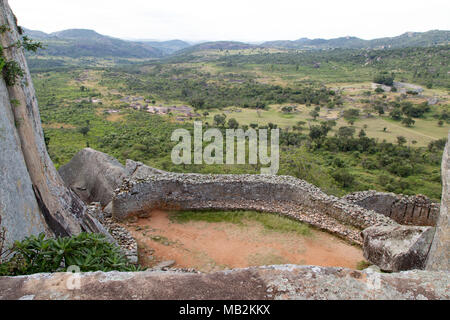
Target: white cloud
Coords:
[(245, 20)]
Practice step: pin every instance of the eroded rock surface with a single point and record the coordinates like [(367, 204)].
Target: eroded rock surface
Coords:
[(25, 165), (93, 175), (265, 283), (439, 256), (397, 248)]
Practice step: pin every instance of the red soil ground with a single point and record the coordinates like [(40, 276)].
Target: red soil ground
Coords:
[(211, 247)]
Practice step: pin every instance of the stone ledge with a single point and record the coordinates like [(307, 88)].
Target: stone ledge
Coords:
[(264, 283)]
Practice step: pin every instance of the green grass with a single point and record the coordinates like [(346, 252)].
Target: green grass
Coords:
[(363, 265), (270, 222)]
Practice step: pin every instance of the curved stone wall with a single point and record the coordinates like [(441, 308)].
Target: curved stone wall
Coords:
[(407, 210), (284, 195)]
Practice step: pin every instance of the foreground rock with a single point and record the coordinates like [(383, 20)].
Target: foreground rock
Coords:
[(397, 248), (265, 283)]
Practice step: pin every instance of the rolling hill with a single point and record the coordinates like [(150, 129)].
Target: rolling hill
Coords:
[(168, 47), (409, 39), (76, 43)]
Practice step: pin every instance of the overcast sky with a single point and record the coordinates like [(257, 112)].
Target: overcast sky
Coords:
[(243, 20)]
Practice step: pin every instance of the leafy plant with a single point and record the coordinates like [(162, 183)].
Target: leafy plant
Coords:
[(90, 252)]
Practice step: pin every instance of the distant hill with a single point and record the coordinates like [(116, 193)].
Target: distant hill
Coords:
[(409, 39), (76, 43), (168, 47), (218, 45)]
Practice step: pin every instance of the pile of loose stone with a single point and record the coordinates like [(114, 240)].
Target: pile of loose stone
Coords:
[(121, 236)]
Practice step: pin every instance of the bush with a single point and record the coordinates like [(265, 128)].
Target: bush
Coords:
[(384, 78), (90, 252), (344, 178)]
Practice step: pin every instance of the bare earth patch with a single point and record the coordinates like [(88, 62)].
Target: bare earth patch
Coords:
[(211, 247)]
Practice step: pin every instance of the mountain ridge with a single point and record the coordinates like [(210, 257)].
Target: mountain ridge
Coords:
[(86, 42)]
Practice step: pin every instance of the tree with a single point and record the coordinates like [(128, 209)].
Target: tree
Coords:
[(346, 132), (314, 114), (233, 124), (401, 140), (379, 109), (362, 134), (84, 130), (409, 122), (351, 115), (317, 132), (396, 114), (198, 103), (219, 119), (379, 90), (344, 178), (384, 78)]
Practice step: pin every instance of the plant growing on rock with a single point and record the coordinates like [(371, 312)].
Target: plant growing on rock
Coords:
[(90, 252)]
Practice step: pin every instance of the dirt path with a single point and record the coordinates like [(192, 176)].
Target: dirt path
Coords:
[(216, 246)]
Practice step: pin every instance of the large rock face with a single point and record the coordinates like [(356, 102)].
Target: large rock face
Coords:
[(265, 283), (93, 176), (397, 248), (19, 211), (439, 256), (26, 169)]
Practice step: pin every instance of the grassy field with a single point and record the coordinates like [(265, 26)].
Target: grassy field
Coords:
[(269, 221), (423, 132)]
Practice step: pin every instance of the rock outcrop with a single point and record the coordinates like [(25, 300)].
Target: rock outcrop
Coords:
[(397, 248), (93, 176), (439, 256), (265, 283), (34, 198)]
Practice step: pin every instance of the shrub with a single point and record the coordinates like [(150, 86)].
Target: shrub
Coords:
[(344, 178), (384, 78), (90, 252)]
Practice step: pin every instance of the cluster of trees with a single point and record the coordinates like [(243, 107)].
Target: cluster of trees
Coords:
[(384, 78), (406, 111), (206, 91)]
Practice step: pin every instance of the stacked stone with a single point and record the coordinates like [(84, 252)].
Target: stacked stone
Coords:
[(407, 210), (285, 195), (119, 235)]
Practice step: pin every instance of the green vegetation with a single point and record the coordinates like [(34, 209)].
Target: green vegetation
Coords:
[(11, 70), (384, 78), (270, 221), (89, 252), (362, 265), (335, 131)]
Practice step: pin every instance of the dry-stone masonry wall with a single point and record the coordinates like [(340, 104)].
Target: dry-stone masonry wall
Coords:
[(285, 195), (407, 210)]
